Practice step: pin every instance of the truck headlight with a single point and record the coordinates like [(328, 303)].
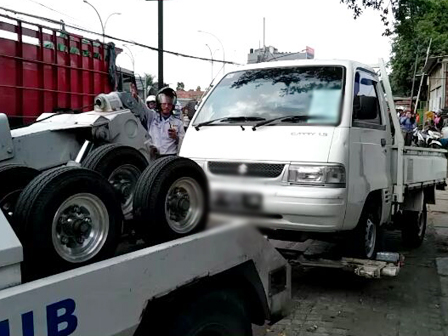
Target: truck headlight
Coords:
[(331, 176)]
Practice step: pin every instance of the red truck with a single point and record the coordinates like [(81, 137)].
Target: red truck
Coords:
[(46, 69)]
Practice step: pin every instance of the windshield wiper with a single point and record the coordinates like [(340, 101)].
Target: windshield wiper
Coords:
[(290, 118), (228, 119)]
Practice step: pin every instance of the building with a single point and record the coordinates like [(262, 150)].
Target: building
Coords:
[(436, 71), (189, 95), (270, 53), (189, 100), (404, 103)]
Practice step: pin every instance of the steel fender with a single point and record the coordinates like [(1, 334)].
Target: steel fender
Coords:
[(354, 211)]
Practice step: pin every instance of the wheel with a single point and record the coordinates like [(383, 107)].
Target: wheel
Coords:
[(170, 200), (366, 237), (122, 166), (414, 227), (67, 217), (13, 179), (218, 313)]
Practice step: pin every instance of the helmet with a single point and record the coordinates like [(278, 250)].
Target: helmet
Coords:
[(151, 99), (166, 94)]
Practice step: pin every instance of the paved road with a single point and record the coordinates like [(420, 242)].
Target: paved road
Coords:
[(329, 302)]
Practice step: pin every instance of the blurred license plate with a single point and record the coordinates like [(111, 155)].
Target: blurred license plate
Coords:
[(237, 201)]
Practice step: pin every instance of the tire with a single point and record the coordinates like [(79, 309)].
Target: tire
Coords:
[(121, 166), (366, 238), (156, 218), (218, 313), (13, 179), (67, 217), (414, 227)]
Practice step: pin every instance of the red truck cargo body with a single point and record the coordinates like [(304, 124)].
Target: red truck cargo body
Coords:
[(43, 69)]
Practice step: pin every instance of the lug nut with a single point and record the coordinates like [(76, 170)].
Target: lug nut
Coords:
[(80, 240), (64, 240), (84, 227)]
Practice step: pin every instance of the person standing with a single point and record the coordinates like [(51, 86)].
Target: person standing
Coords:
[(407, 126), (166, 130), (438, 120), (151, 102)]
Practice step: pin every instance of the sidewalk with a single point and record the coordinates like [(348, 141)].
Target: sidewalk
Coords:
[(438, 218)]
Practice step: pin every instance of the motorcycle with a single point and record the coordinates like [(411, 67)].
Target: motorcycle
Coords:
[(419, 138), (433, 139)]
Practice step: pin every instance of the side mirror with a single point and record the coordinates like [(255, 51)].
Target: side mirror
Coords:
[(366, 108)]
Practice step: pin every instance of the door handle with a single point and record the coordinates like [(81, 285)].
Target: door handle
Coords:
[(383, 142)]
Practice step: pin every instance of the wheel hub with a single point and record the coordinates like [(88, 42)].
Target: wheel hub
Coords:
[(7, 203), (421, 222), (184, 205), (75, 225), (179, 204), (80, 227), (124, 180), (370, 238)]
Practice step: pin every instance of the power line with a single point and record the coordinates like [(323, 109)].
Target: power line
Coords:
[(52, 9), (110, 37)]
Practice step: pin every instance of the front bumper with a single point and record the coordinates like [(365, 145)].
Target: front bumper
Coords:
[(290, 207)]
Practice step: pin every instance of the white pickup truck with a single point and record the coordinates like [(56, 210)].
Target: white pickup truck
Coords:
[(314, 147)]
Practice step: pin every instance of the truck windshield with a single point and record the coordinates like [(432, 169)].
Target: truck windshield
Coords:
[(264, 94)]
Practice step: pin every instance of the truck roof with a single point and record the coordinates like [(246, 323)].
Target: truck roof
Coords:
[(310, 62)]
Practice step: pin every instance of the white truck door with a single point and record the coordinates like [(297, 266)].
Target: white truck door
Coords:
[(370, 147)]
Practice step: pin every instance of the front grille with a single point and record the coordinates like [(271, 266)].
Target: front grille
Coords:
[(266, 170)]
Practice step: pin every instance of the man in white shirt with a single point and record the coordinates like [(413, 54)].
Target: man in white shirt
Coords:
[(166, 130)]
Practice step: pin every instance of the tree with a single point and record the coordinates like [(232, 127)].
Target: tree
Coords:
[(151, 85), (151, 90), (180, 86), (198, 88), (415, 22)]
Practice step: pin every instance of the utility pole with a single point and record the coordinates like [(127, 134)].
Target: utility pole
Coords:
[(423, 76), (264, 32), (413, 80), (160, 46), (211, 56)]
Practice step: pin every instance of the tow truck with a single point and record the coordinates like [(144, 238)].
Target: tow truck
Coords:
[(220, 280), (193, 273)]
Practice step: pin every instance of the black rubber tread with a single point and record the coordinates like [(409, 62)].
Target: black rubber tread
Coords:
[(356, 241), (409, 231), (100, 159), (15, 177), (222, 310), (150, 194), (37, 205), (107, 158)]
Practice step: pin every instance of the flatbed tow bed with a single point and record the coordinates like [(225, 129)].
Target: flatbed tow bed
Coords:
[(153, 290)]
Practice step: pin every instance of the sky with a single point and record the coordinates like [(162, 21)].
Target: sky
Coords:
[(232, 26)]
